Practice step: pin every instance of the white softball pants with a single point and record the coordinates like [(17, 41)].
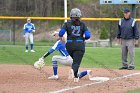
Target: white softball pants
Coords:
[(28, 36), (67, 61)]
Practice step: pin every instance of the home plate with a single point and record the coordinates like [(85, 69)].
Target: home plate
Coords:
[(100, 78)]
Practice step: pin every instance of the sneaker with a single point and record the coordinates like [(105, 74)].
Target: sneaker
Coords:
[(71, 74), (122, 68), (32, 51), (76, 79), (90, 74), (54, 77), (131, 68), (26, 51)]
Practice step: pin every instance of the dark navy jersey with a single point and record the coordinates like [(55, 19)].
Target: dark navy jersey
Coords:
[(127, 29), (75, 32)]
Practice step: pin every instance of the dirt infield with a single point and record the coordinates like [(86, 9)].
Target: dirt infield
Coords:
[(26, 79)]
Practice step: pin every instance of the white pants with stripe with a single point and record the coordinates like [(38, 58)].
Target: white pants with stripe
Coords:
[(67, 61), (29, 36)]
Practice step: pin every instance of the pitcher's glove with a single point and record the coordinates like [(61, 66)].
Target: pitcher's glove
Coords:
[(39, 64)]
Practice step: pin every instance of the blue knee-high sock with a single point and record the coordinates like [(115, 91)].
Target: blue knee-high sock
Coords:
[(32, 45), (55, 67), (82, 74), (26, 47)]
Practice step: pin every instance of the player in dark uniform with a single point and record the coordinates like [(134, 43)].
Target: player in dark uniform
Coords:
[(77, 33)]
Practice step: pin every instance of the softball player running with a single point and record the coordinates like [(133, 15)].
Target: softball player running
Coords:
[(29, 29), (77, 33)]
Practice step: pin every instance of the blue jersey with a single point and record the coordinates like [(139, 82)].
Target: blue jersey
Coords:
[(59, 46), (28, 27)]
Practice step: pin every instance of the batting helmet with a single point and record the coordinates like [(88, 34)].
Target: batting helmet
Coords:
[(75, 12)]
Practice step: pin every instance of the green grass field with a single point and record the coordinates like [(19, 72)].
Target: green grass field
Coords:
[(133, 91), (94, 57), (37, 43)]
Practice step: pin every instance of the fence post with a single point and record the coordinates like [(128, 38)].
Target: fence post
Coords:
[(14, 32), (110, 33)]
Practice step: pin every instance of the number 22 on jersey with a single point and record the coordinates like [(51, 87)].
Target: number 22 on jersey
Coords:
[(75, 30)]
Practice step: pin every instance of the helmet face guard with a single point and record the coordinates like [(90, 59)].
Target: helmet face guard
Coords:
[(75, 12), (75, 15), (75, 18)]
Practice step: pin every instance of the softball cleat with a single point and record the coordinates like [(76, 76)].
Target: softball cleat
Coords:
[(26, 51), (32, 51), (90, 74), (76, 79), (54, 77)]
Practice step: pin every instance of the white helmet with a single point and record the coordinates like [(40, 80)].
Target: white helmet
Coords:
[(75, 12)]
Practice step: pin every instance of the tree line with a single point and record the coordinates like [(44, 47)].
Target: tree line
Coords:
[(31, 7)]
